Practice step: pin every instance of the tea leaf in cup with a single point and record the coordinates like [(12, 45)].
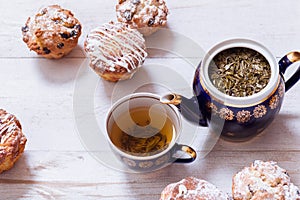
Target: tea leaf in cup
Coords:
[(137, 143)]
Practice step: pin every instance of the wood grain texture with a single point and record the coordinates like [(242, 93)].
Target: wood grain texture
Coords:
[(273, 23), (52, 175), (40, 93)]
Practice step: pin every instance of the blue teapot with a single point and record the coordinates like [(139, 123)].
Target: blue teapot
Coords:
[(236, 118)]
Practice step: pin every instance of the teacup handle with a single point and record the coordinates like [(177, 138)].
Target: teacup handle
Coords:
[(185, 149), (284, 63)]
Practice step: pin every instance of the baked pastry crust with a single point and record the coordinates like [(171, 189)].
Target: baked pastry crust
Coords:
[(12, 140), (264, 180), (145, 15), (115, 51), (192, 188), (52, 33)]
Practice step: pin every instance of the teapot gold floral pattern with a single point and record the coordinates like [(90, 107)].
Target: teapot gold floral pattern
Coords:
[(243, 117)]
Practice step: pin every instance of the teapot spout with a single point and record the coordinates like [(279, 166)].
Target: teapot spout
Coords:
[(189, 108)]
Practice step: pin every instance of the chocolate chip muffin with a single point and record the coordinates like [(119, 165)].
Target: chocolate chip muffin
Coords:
[(12, 140), (193, 189), (115, 51), (264, 180), (52, 33), (145, 15)]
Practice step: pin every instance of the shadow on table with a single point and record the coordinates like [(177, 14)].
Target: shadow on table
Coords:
[(24, 181), (169, 43), (280, 129), (15, 183), (140, 82), (150, 185), (278, 135), (218, 161), (59, 70)]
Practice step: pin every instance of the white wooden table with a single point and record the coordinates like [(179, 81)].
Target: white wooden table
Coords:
[(55, 165)]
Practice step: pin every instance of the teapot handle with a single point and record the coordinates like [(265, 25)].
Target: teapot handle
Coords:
[(284, 63)]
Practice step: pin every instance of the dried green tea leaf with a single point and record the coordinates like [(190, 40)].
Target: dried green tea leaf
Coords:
[(239, 72)]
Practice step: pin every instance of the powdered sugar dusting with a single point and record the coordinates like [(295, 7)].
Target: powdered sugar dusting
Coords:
[(114, 44), (193, 189), (145, 15), (264, 180)]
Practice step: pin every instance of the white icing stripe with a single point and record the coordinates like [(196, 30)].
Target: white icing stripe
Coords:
[(115, 44), (133, 43), (106, 44), (109, 48)]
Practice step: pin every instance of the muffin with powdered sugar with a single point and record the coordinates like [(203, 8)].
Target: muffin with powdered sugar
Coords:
[(192, 188), (145, 15), (12, 140), (264, 180), (52, 33), (115, 51)]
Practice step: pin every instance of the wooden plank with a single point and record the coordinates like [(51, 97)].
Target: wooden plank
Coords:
[(42, 98), (61, 175), (206, 22), (40, 92)]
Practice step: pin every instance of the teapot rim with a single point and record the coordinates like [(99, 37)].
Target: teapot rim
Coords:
[(244, 43)]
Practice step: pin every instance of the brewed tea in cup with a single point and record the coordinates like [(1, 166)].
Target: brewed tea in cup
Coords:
[(143, 133), (147, 135)]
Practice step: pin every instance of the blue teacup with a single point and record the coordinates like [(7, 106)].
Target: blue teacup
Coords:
[(139, 132)]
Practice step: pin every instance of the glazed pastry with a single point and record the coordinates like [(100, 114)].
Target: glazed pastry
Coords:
[(12, 140), (145, 15), (52, 33), (115, 51), (192, 189), (264, 180)]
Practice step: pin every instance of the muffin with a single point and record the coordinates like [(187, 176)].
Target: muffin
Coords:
[(145, 15), (192, 189), (264, 180), (115, 51), (52, 33), (12, 140)]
